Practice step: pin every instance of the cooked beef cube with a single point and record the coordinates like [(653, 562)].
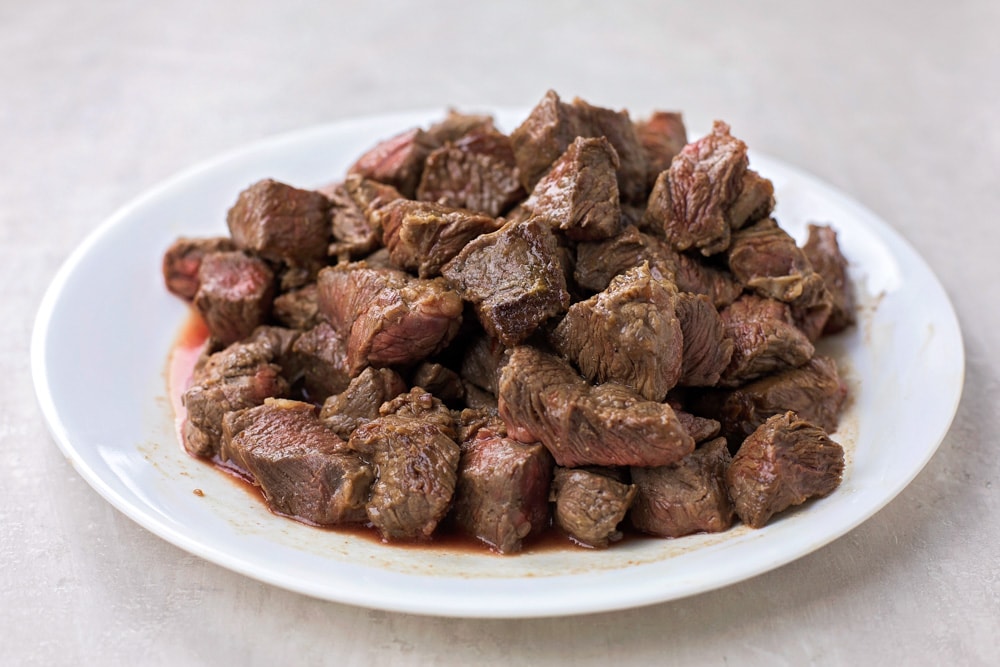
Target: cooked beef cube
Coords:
[(359, 403), (543, 399), (756, 200), (765, 258), (379, 259), (303, 468), (579, 194), (457, 125), (699, 428), (183, 259), (690, 200), (693, 275), (687, 497), (420, 404), (814, 391), (440, 380), (323, 355), (353, 233), (811, 319), (707, 350), (662, 136), (478, 398), (387, 317), (297, 309), (279, 344), (240, 376), (281, 223), (628, 333), (470, 420), (417, 468), (481, 363), (785, 462), (235, 294), (765, 339), (513, 278), (502, 495), (397, 161), (824, 254), (589, 506), (476, 172), (618, 128), (423, 236)]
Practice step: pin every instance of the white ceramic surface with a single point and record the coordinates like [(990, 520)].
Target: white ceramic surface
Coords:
[(106, 325)]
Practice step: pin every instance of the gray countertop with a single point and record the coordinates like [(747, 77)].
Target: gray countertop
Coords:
[(897, 104)]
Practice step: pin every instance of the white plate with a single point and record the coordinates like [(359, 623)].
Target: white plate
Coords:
[(106, 325)]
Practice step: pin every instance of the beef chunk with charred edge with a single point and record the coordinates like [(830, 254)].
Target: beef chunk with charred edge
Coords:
[(707, 350), (183, 259), (513, 278), (298, 309), (785, 462), (691, 199), (502, 495), (824, 254), (628, 333), (423, 236), (765, 339), (765, 258), (360, 402), (302, 467), (662, 136), (687, 497), (590, 505), (439, 380), (397, 161), (543, 399), (235, 294), (417, 468), (579, 194), (323, 355), (387, 317)]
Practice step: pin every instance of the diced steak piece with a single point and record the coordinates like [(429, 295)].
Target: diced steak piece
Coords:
[(323, 355), (183, 259), (691, 199), (579, 194), (387, 317), (589, 506), (417, 468), (785, 462), (297, 309), (423, 236), (420, 404), (707, 350), (279, 345), (353, 233), (811, 319), (765, 258), (481, 363), (476, 172), (303, 468), (618, 128), (765, 339), (397, 161), (478, 398), (239, 376), (502, 495), (543, 399), (824, 254), (693, 275), (359, 403), (756, 200), (235, 294), (439, 380), (470, 420), (456, 125), (662, 136), (513, 277), (281, 223), (814, 391), (699, 428), (628, 333)]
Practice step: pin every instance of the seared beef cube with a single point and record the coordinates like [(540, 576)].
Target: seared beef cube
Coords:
[(479, 398), (420, 404), (618, 128), (699, 428), (785, 462), (513, 278), (579, 194), (183, 259), (240, 376), (423, 236), (811, 319), (765, 258), (543, 399), (476, 172), (439, 380), (469, 421), (693, 275), (690, 200), (457, 125), (417, 468), (235, 294), (543, 136), (481, 363), (765, 339), (323, 355), (279, 344), (354, 235), (359, 403), (302, 467), (684, 498), (397, 161), (824, 254), (756, 200), (502, 496), (662, 136), (628, 333), (589, 506), (281, 223), (814, 391), (298, 309), (387, 317), (707, 350)]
